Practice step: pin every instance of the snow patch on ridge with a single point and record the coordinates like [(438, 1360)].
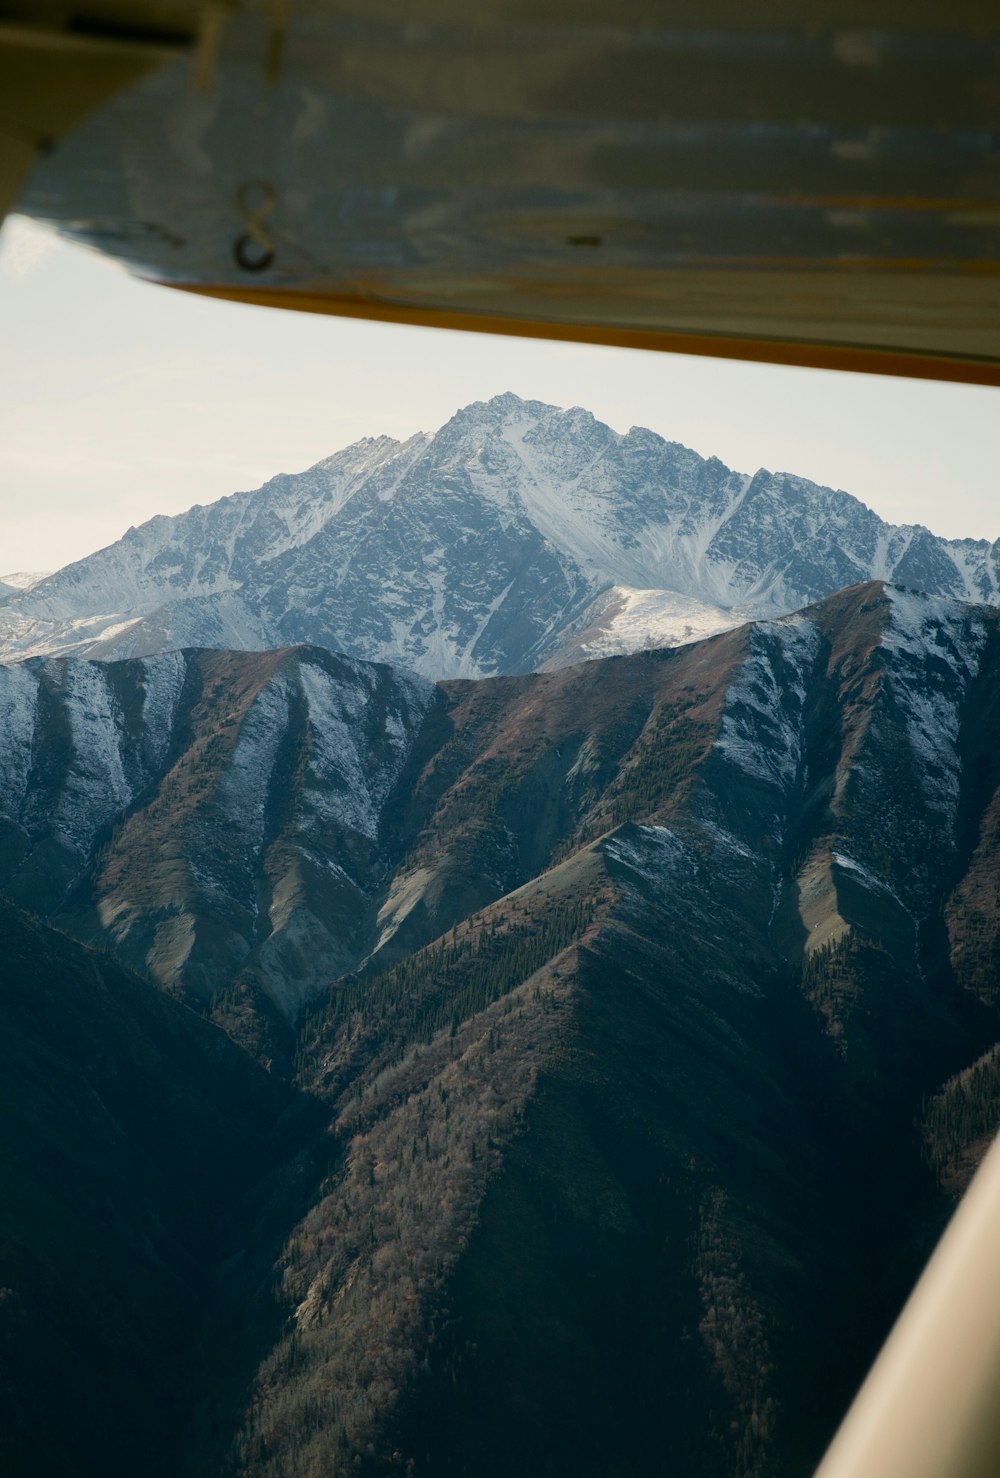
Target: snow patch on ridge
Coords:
[(980, 572), (163, 680), (867, 876), (247, 783), (632, 620), (935, 646), (18, 711), (24, 579), (761, 728), (724, 842), (96, 788), (644, 534), (933, 626), (569, 520), (24, 636), (350, 772), (653, 853)]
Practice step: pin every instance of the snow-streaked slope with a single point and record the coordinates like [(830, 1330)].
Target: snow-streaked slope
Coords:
[(626, 620), (518, 536), (936, 646), (230, 809), (21, 580), (855, 714), (208, 549), (762, 723)]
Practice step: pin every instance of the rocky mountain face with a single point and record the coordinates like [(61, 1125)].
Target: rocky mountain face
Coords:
[(207, 813), (519, 536), (629, 1028)]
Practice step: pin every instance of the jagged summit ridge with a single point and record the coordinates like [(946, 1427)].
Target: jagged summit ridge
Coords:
[(518, 536)]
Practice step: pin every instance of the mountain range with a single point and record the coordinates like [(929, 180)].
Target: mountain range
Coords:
[(518, 537), (563, 1072)]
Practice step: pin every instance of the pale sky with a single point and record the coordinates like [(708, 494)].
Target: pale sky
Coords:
[(121, 400)]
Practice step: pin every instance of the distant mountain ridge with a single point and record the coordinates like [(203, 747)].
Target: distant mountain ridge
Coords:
[(519, 536)]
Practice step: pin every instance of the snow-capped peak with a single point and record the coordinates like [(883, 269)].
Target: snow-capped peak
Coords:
[(487, 547)]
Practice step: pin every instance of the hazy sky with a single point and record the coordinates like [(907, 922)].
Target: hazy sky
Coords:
[(122, 400)]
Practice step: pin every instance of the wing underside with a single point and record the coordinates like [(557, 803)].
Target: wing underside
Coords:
[(810, 185)]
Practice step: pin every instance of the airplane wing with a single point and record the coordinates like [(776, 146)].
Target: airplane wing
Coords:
[(930, 1407), (807, 184)]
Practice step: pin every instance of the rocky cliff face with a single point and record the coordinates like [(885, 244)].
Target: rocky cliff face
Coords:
[(646, 1009), (206, 812), (518, 536)]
